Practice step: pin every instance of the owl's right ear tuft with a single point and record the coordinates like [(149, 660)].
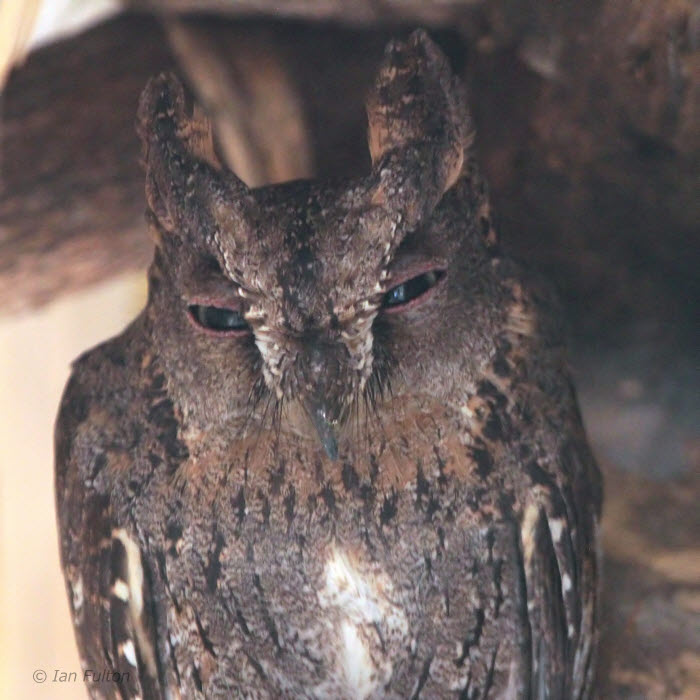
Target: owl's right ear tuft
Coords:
[(162, 101), (167, 110)]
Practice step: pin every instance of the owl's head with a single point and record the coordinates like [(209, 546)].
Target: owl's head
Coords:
[(307, 302)]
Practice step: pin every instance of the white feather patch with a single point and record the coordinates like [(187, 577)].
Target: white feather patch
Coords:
[(129, 652), (365, 600), (356, 661), (556, 526), (77, 591), (134, 596)]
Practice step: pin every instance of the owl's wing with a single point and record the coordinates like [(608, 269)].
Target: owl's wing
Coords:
[(559, 541), (108, 592)]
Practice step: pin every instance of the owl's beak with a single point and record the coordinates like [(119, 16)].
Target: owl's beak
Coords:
[(325, 427)]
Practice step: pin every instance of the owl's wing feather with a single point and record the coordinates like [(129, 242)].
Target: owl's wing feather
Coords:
[(108, 592), (546, 609), (560, 561)]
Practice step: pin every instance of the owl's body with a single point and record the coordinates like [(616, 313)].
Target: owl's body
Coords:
[(338, 455)]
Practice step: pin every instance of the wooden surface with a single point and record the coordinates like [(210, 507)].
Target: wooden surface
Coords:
[(246, 89), (71, 192)]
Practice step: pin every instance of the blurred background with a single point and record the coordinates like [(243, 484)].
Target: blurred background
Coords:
[(588, 128), (35, 354), (36, 349)]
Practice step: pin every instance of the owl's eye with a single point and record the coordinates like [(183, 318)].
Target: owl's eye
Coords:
[(221, 320), (411, 290)]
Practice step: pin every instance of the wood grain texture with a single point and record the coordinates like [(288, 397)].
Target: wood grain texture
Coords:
[(245, 88)]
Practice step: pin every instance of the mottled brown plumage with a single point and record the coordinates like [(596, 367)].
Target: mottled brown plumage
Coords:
[(338, 454)]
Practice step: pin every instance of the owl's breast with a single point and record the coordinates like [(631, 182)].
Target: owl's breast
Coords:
[(347, 587)]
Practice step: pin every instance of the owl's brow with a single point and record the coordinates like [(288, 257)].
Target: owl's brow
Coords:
[(237, 280), (224, 257)]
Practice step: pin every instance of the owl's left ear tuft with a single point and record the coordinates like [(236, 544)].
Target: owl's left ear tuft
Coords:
[(419, 138)]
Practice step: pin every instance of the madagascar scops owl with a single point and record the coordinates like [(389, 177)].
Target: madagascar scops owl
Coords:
[(338, 455)]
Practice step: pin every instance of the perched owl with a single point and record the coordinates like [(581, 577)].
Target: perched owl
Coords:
[(339, 454)]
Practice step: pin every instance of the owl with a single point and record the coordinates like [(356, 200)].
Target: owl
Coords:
[(338, 455)]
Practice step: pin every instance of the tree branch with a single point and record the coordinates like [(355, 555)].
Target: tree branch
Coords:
[(71, 191)]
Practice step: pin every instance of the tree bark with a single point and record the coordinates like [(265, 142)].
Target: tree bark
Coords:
[(71, 191), (355, 12), (243, 85), (650, 646)]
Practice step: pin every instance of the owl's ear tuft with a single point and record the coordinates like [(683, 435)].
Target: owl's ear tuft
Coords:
[(178, 149), (167, 110), (419, 127)]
